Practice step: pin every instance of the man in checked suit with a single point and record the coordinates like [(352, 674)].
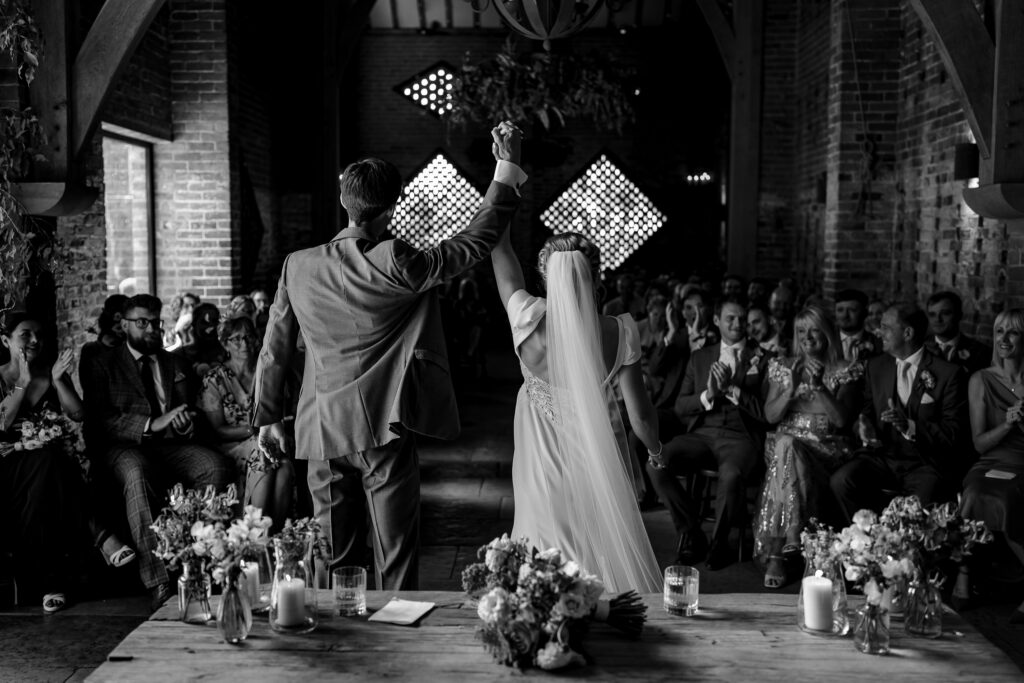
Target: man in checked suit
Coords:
[(720, 410), (376, 368), (913, 421), (138, 399)]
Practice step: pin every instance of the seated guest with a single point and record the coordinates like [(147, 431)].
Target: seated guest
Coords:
[(109, 333), (873, 321), (226, 399), (719, 408), (781, 305), (262, 301), (140, 425), (43, 491), (945, 311), (242, 305), (851, 312), (813, 397), (759, 328), (180, 319), (697, 312), (914, 413), (652, 328), (205, 350), (758, 290), (997, 427), (732, 286), (627, 301)]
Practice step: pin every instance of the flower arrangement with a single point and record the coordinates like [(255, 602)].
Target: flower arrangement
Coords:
[(535, 606), (47, 427), (295, 534), (871, 557)]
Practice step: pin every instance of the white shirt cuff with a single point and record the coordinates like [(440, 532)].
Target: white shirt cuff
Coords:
[(911, 431), (704, 400), (509, 174)]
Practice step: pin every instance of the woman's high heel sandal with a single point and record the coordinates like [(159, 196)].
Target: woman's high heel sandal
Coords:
[(774, 581)]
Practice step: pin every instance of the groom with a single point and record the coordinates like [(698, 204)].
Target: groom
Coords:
[(376, 368)]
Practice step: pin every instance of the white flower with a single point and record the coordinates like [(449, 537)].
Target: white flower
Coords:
[(865, 519), (494, 559), (524, 572), (570, 568), (553, 555), (555, 656), (493, 606), (571, 605)]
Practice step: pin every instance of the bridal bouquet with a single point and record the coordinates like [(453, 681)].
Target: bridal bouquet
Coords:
[(535, 606), (45, 428)]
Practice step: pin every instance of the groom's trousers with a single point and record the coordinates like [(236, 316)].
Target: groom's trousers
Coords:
[(386, 482)]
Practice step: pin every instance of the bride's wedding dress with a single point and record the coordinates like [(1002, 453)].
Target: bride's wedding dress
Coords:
[(570, 494)]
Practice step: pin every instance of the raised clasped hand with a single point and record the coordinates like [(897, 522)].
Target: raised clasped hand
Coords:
[(507, 142)]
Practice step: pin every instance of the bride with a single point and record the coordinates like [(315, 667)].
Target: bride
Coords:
[(570, 472)]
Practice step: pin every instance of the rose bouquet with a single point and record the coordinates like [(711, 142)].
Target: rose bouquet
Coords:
[(536, 605), (47, 427), (871, 557)]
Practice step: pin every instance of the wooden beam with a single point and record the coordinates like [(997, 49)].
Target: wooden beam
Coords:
[(745, 137), (723, 33), (968, 52), (105, 52), (1007, 164), (48, 92), (350, 26)]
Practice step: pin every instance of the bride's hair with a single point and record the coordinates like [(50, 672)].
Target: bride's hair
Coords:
[(570, 241)]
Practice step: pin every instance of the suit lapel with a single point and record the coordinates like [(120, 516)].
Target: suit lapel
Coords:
[(918, 389), (131, 369), (166, 378), (885, 386), (714, 352)]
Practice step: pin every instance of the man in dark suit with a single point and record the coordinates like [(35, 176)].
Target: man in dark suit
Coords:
[(913, 421), (945, 311), (138, 399), (720, 411), (851, 312), (376, 369)]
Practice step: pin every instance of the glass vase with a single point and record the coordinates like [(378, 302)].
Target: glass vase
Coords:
[(258, 578), (821, 607), (871, 629), (234, 617), (293, 594), (898, 603), (924, 609), (194, 596)]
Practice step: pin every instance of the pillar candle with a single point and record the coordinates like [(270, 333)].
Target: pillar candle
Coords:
[(291, 602), (251, 572), (817, 603)]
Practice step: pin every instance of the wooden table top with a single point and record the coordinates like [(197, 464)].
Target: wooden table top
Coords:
[(735, 637)]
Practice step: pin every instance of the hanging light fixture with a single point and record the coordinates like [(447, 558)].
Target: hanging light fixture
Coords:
[(547, 20)]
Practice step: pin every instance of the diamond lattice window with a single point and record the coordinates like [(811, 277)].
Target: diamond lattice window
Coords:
[(607, 207), (431, 88), (438, 202)]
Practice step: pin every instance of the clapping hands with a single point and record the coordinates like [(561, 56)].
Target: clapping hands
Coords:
[(507, 142), (1015, 413), (894, 416), (63, 364), (718, 379)]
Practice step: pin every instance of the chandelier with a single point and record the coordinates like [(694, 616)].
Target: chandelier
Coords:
[(547, 20)]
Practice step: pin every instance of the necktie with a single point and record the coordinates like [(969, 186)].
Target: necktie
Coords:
[(947, 350), (149, 385), (847, 344), (903, 380)]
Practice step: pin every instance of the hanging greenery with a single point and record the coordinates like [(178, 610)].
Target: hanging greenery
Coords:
[(543, 87), (26, 248)]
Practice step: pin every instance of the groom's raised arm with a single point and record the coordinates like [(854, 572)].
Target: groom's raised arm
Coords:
[(423, 269)]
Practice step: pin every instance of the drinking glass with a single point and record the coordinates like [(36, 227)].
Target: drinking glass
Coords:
[(350, 590), (682, 586)]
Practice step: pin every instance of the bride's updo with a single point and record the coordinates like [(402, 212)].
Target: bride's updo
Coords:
[(570, 241)]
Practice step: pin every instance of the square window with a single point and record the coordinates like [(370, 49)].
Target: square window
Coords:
[(438, 202)]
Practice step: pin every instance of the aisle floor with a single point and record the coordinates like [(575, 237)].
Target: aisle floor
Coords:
[(467, 501)]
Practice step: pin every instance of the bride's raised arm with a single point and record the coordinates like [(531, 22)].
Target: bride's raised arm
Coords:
[(507, 271)]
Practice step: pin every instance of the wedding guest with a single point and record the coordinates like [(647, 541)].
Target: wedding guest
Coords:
[(626, 301), (242, 305), (141, 428), (652, 329), (180, 328), (781, 305), (262, 301), (813, 398), (915, 418), (759, 328), (757, 291), (109, 333), (719, 406), (992, 489), (732, 287), (226, 399), (873, 320), (697, 311), (470, 317), (43, 492), (851, 312), (205, 349), (945, 312)]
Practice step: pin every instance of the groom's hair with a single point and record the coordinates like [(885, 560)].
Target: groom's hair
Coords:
[(369, 187)]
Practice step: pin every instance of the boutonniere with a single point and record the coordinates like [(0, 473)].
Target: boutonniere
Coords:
[(866, 345), (963, 354), (179, 377), (928, 380)]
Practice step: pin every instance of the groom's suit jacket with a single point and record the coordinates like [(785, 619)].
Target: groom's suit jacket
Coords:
[(375, 351), (937, 405), (749, 378)]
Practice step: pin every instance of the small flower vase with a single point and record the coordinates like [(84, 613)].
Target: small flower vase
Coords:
[(293, 595), (821, 607), (258, 579), (871, 629), (924, 609), (234, 617), (194, 596)]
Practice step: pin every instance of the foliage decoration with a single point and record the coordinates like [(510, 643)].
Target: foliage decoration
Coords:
[(542, 87)]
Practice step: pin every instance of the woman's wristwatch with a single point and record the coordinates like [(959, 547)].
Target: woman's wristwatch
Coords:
[(655, 457)]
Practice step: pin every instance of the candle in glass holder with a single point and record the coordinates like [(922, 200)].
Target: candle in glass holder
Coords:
[(817, 603), (291, 602)]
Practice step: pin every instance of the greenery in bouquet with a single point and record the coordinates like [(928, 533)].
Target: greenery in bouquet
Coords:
[(295, 535), (536, 605), (932, 536), (871, 555)]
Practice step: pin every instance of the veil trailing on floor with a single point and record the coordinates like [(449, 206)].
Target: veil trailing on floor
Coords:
[(609, 537)]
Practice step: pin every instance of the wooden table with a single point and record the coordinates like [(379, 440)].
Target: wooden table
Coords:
[(735, 637)]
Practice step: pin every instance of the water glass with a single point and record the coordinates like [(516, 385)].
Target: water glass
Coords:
[(682, 586), (350, 590)]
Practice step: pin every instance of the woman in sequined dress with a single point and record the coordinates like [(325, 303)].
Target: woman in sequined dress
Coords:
[(812, 397), (571, 468)]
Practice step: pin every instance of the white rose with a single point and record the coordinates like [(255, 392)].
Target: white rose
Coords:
[(492, 605), (494, 559), (553, 555), (555, 656), (570, 568), (571, 605)]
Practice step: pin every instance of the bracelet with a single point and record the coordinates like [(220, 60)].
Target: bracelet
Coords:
[(651, 453), (16, 387)]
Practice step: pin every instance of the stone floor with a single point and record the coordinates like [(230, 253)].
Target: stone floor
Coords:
[(467, 501)]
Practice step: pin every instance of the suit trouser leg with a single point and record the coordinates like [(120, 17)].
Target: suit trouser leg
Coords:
[(683, 454), (391, 480), (339, 505), (858, 485), (135, 474), (736, 456)]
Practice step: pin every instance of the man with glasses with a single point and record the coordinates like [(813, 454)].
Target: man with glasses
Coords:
[(139, 424)]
